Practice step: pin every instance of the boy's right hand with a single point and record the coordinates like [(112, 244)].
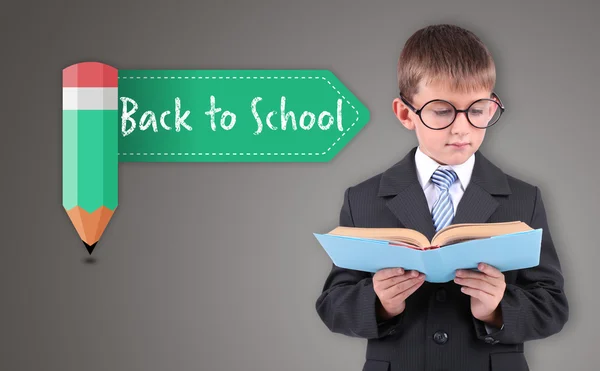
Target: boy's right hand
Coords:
[(393, 286)]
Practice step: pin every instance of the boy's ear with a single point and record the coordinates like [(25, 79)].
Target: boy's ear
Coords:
[(402, 114)]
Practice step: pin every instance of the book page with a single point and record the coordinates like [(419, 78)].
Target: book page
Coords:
[(398, 235), (471, 231)]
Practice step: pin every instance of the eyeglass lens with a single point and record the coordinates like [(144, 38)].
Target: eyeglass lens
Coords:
[(439, 114)]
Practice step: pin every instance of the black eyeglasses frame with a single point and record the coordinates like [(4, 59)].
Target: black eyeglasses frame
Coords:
[(456, 110)]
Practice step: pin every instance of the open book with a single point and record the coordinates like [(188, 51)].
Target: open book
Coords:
[(446, 236), (506, 246)]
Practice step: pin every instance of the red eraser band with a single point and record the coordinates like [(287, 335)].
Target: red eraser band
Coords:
[(90, 75)]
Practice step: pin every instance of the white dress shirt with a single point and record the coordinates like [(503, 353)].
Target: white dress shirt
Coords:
[(426, 166)]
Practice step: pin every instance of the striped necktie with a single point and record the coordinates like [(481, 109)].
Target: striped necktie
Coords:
[(443, 211)]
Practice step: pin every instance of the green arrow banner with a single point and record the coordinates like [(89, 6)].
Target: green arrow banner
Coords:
[(235, 115)]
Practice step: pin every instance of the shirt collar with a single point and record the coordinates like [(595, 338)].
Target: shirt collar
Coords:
[(426, 166)]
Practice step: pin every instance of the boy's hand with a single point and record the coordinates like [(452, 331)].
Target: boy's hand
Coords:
[(393, 286), (486, 289)]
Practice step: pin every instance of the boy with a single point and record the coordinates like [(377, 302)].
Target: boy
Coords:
[(480, 320)]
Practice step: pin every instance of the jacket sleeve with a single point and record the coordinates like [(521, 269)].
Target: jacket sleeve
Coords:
[(535, 306), (348, 303)]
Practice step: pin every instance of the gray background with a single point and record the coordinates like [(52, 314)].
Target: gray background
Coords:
[(214, 266)]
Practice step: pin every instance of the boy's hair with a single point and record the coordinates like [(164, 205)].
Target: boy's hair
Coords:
[(445, 54)]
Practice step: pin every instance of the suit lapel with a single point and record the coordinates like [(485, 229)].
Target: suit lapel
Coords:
[(478, 202), (476, 206), (410, 207), (409, 204)]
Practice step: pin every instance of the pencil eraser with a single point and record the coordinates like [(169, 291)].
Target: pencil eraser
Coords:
[(90, 75)]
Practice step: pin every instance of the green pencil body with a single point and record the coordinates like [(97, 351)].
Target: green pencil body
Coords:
[(90, 148)]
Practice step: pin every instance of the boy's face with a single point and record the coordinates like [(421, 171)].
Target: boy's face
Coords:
[(441, 145)]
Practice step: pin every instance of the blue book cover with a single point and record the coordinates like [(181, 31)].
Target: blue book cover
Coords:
[(506, 252)]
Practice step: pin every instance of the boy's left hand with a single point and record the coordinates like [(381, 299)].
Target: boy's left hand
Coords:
[(486, 289)]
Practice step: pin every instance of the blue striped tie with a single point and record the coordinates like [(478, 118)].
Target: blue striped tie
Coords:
[(443, 211)]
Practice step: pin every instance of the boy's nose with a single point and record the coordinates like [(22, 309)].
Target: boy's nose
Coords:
[(461, 123)]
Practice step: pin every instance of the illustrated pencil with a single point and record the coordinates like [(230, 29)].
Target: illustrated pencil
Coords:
[(90, 148)]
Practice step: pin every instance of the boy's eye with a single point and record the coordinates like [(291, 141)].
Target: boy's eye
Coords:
[(476, 112), (445, 112)]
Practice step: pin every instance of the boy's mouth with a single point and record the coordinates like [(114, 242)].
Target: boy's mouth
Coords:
[(458, 145)]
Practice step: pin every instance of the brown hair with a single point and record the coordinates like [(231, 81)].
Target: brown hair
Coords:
[(448, 54)]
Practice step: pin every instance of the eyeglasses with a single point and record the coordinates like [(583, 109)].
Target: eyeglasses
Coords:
[(438, 114)]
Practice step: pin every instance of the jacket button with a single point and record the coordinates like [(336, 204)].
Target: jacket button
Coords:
[(490, 340), (440, 295), (440, 337)]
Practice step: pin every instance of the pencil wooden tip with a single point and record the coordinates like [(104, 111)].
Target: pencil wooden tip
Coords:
[(90, 226)]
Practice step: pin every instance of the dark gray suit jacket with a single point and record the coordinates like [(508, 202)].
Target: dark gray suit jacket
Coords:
[(437, 331)]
